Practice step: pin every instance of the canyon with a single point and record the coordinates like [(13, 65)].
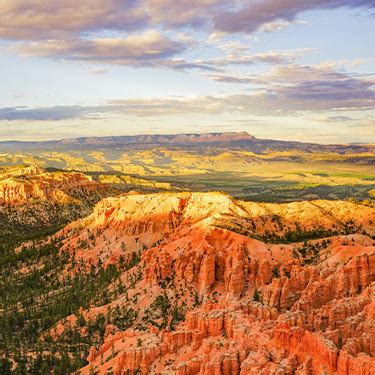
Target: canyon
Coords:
[(221, 286), (99, 278)]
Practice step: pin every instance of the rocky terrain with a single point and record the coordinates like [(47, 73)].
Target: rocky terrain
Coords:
[(34, 183), (31, 197), (201, 283)]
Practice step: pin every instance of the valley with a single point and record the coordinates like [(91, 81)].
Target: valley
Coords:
[(187, 260), (195, 282), (237, 163), (187, 187)]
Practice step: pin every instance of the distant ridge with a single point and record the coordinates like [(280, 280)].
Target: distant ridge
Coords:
[(118, 141), (233, 140)]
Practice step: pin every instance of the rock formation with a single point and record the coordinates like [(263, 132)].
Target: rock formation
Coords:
[(35, 183), (227, 287), (31, 197)]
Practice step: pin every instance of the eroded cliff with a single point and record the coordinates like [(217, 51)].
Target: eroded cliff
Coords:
[(211, 285)]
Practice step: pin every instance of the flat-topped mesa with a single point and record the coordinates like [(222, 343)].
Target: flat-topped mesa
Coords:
[(212, 137), (129, 140)]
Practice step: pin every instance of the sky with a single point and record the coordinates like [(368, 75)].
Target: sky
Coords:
[(278, 69)]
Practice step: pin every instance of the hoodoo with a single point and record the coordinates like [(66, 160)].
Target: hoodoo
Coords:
[(219, 285)]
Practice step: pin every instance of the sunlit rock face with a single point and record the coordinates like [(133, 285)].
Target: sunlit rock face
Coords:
[(31, 198), (26, 185), (227, 287)]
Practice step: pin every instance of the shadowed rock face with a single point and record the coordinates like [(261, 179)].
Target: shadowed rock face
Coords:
[(220, 288)]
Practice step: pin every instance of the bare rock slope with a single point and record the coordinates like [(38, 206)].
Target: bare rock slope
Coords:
[(212, 285), (32, 197)]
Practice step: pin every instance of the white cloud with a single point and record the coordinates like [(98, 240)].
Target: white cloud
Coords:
[(136, 50)]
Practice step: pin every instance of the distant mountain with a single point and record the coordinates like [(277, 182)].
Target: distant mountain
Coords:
[(122, 141), (234, 140)]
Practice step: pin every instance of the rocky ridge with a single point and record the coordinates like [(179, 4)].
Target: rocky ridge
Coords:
[(35, 183), (31, 196), (212, 285)]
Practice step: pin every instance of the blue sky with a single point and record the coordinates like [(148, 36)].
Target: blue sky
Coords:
[(281, 69)]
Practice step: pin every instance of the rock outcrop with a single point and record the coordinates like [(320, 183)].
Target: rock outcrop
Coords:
[(219, 287), (33, 198), (34, 183)]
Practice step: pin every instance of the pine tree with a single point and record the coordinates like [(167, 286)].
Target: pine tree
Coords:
[(256, 296)]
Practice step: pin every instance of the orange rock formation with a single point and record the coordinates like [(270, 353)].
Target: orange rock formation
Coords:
[(252, 303), (34, 183)]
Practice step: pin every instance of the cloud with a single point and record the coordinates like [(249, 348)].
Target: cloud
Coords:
[(229, 78), (130, 107), (65, 19), (352, 90), (73, 30), (45, 19), (170, 106), (270, 57), (254, 15), (293, 88), (56, 113), (335, 119), (345, 95), (293, 73), (135, 50), (282, 90), (218, 65), (279, 25), (99, 71), (147, 49), (181, 13)]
